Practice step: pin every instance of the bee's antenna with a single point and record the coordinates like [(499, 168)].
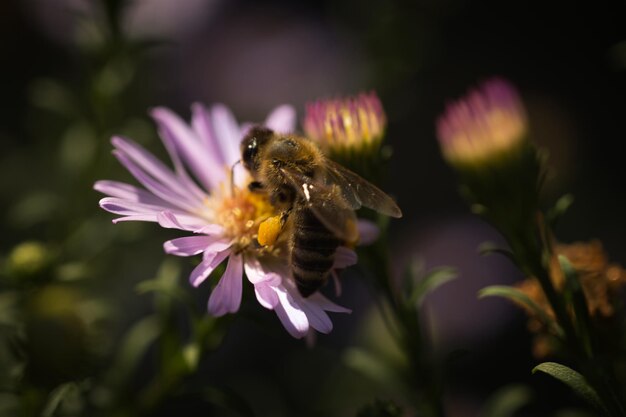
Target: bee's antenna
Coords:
[(232, 178)]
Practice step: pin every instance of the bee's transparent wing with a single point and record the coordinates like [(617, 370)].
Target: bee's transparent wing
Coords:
[(327, 203), (360, 192)]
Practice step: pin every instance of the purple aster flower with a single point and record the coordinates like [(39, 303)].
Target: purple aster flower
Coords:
[(205, 195), (488, 122)]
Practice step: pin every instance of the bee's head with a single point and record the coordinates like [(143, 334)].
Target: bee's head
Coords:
[(251, 144)]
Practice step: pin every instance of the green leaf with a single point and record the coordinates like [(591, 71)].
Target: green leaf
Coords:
[(560, 207), (564, 203), (372, 366), (435, 278), (488, 248), (52, 96), (506, 401), (166, 284), (114, 77), (155, 286), (517, 296), (134, 345), (571, 276), (575, 293), (56, 397), (574, 380), (412, 274), (478, 209)]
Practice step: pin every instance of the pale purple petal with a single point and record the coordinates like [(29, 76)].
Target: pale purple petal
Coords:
[(226, 296), (287, 324), (203, 126), (312, 308), (157, 188), (210, 229), (136, 218), (368, 232), (181, 172), (193, 245), (129, 192), (186, 246), (170, 220), (344, 257), (204, 269), (282, 119), (203, 164), (209, 255), (125, 207), (167, 220), (326, 304), (144, 161), (318, 319), (266, 294), (257, 273), (146, 212), (217, 246), (227, 133), (291, 316), (264, 282)]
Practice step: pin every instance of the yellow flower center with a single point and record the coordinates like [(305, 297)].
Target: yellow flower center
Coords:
[(240, 212)]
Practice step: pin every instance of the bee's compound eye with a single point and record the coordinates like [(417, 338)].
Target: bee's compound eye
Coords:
[(249, 152)]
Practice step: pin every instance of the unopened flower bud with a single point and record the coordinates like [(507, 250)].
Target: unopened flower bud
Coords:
[(484, 136), (346, 124), (486, 124)]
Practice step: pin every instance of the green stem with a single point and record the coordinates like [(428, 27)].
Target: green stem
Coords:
[(535, 258), (411, 337)]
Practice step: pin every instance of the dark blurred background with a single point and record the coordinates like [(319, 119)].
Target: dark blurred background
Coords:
[(74, 72)]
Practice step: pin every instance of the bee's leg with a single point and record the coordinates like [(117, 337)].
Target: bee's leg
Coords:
[(282, 198)]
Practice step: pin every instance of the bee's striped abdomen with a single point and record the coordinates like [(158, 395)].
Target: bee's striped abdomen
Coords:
[(313, 252)]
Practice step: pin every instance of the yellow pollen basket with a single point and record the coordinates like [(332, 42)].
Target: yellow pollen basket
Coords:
[(269, 230), (353, 230)]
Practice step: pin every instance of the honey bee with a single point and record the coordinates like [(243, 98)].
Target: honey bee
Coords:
[(314, 195)]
